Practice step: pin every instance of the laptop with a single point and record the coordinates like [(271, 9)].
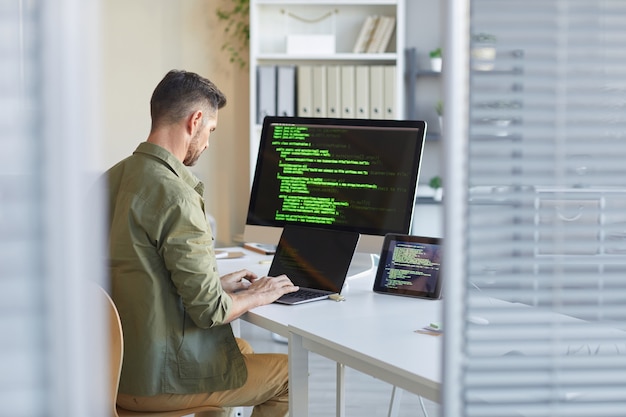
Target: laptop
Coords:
[(315, 259)]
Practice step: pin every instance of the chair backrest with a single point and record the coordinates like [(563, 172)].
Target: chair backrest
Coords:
[(116, 343), (116, 349)]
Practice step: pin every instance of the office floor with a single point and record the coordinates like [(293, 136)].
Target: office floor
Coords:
[(365, 396)]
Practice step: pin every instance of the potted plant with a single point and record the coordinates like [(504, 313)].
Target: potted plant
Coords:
[(436, 61), (435, 184), (483, 51)]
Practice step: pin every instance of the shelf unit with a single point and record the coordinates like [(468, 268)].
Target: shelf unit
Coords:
[(271, 22), (413, 74)]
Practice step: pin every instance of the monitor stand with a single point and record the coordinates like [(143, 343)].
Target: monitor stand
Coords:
[(362, 264)]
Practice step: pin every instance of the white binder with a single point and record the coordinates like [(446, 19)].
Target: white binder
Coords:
[(390, 92), (266, 92), (377, 92), (305, 90), (362, 92), (333, 91), (319, 91), (347, 90), (286, 90)]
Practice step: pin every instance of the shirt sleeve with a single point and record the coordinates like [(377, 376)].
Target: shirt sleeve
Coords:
[(186, 246)]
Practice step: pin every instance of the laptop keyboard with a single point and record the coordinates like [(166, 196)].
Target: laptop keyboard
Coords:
[(302, 294)]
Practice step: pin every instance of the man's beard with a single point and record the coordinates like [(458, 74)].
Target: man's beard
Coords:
[(193, 154)]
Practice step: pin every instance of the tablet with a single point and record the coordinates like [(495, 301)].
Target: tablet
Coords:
[(409, 266)]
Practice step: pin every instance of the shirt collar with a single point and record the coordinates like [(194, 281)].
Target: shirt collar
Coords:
[(168, 159)]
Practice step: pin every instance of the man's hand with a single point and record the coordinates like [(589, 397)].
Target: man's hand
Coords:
[(259, 292), (237, 281), (269, 289)]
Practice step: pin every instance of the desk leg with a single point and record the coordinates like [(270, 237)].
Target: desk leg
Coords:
[(394, 404), (298, 377), (341, 390)]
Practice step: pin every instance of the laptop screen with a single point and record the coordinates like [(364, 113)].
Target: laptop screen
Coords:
[(314, 257)]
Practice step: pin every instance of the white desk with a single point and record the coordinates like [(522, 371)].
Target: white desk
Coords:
[(372, 333), (375, 335)]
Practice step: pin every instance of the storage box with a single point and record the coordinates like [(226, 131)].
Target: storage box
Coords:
[(310, 44)]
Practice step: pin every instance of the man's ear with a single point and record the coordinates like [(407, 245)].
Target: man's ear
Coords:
[(194, 121)]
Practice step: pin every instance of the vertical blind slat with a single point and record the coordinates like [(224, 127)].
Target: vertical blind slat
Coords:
[(23, 377)]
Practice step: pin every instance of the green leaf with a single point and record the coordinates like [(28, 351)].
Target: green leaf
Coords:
[(237, 29)]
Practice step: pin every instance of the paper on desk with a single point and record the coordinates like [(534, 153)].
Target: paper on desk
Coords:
[(433, 329)]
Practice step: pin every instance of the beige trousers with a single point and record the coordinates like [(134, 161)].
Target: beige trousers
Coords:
[(266, 389)]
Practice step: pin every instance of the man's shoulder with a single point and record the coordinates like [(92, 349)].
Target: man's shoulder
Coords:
[(149, 176)]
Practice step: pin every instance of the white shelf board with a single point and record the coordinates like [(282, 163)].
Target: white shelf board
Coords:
[(348, 56), (326, 2)]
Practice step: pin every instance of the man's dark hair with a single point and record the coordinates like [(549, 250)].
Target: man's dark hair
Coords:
[(181, 92)]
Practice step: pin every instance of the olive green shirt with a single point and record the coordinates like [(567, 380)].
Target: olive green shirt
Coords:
[(164, 280)]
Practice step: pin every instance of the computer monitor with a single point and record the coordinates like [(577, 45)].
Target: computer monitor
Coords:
[(345, 174)]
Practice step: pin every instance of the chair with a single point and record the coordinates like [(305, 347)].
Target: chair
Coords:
[(115, 367)]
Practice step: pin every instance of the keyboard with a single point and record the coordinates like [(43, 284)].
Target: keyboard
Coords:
[(301, 296)]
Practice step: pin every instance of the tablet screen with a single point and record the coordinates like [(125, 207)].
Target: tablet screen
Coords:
[(410, 266)]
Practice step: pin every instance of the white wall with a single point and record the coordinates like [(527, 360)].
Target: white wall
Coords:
[(143, 39)]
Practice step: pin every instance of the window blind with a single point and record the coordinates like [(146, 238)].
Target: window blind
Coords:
[(52, 355), (22, 391), (542, 188)]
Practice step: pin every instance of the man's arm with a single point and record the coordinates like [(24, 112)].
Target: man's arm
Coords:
[(208, 299)]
